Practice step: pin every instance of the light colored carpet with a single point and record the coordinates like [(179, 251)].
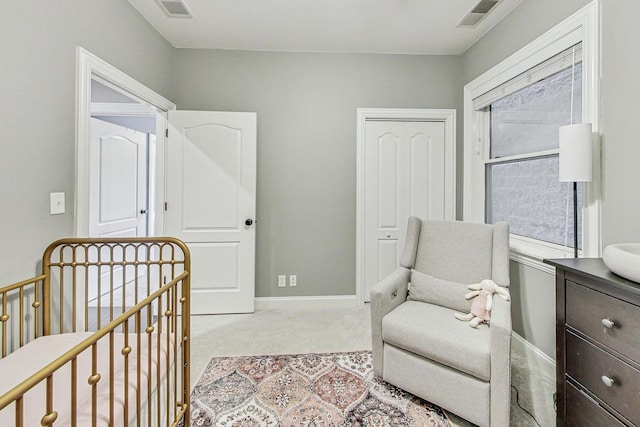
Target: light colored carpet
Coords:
[(293, 331)]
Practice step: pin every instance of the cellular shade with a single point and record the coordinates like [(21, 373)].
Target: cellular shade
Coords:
[(553, 65)]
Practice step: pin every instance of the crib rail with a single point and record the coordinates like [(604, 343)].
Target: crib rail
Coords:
[(20, 313), (132, 296), (89, 282)]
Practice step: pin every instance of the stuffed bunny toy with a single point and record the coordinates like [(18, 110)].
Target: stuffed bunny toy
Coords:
[(483, 301)]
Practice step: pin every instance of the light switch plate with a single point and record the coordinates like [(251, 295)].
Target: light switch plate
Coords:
[(56, 203)]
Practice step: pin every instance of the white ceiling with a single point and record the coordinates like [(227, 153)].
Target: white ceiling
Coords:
[(372, 26)]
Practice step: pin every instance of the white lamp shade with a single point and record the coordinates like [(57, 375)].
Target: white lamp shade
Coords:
[(576, 153)]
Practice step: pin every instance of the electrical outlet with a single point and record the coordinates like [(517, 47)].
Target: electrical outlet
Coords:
[(282, 281), (293, 280)]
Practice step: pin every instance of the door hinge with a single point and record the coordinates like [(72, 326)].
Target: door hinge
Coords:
[(166, 133), (165, 206)]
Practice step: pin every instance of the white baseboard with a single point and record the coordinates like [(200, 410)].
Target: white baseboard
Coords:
[(543, 361), (331, 301)]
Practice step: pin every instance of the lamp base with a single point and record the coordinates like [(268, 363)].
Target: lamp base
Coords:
[(575, 219)]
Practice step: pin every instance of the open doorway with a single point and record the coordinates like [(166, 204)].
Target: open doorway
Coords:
[(121, 182), (209, 199), (107, 93), (122, 145), (119, 177)]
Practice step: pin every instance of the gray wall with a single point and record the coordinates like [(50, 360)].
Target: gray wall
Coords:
[(527, 22), (306, 105), (533, 290), (37, 108), (619, 113), (306, 113)]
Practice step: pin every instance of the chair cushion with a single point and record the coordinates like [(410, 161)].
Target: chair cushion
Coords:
[(442, 292), (432, 331)]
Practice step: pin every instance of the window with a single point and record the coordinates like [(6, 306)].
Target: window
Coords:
[(512, 116), (521, 163)]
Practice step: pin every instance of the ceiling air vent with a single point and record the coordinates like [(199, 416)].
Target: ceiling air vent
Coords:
[(477, 13), (175, 8)]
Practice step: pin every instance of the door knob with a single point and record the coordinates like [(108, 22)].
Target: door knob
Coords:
[(143, 211), (248, 222)]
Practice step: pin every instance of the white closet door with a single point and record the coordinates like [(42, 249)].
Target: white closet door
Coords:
[(425, 169), (404, 176)]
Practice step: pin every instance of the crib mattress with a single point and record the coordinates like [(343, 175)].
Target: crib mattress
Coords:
[(26, 361)]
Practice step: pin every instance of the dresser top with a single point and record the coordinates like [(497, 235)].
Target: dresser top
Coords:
[(594, 269)]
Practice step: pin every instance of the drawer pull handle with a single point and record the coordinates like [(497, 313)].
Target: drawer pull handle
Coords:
[(609, 324), (608, 381)]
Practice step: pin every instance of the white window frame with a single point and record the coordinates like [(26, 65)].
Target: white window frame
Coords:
[(583, 26)]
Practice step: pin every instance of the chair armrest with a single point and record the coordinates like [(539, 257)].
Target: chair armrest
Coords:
[(500, 331), (386, 295)]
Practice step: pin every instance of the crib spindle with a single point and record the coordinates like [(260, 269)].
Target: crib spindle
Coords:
[(20, 411), (50, 417), (3, 319), (93, 382), (74, 392)]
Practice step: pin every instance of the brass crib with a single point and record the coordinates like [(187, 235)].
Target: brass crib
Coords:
[(105, 332)]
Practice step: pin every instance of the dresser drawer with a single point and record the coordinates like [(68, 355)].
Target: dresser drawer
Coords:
[(584, 412), (587, 364), (586, 309)]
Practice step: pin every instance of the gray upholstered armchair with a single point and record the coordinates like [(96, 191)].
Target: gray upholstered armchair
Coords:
[(418, 344)]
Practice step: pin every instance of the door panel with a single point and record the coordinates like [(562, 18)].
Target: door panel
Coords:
[(388, 252), (419, 174), (383, 197), (211, 190), (404, 175), (221, 258), (388, 180), (213, 153), (426, 170), (118, 179)]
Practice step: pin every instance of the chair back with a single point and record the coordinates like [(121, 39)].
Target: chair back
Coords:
[(462, 252)]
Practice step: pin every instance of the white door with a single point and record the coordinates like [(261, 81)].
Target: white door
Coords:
[(118, 181), (211, 204), (404, 176), (118, 197)]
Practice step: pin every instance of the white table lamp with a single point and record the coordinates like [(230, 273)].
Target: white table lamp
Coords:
[(576, 164)]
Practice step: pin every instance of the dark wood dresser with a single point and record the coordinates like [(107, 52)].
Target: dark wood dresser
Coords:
[(597, 345)]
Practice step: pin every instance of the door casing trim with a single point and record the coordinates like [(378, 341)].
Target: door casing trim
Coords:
[(448, 117), (89, 65)]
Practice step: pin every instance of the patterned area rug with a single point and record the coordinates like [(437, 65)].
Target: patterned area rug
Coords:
[(331, 389)]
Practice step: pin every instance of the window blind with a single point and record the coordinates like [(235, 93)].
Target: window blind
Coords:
[(556, 63)]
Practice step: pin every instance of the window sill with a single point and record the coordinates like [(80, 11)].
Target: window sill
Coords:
[(531, 252)]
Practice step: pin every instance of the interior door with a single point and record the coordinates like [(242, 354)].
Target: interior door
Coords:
[(118, 196), (118, 182), (404, 176), (211, 202)]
